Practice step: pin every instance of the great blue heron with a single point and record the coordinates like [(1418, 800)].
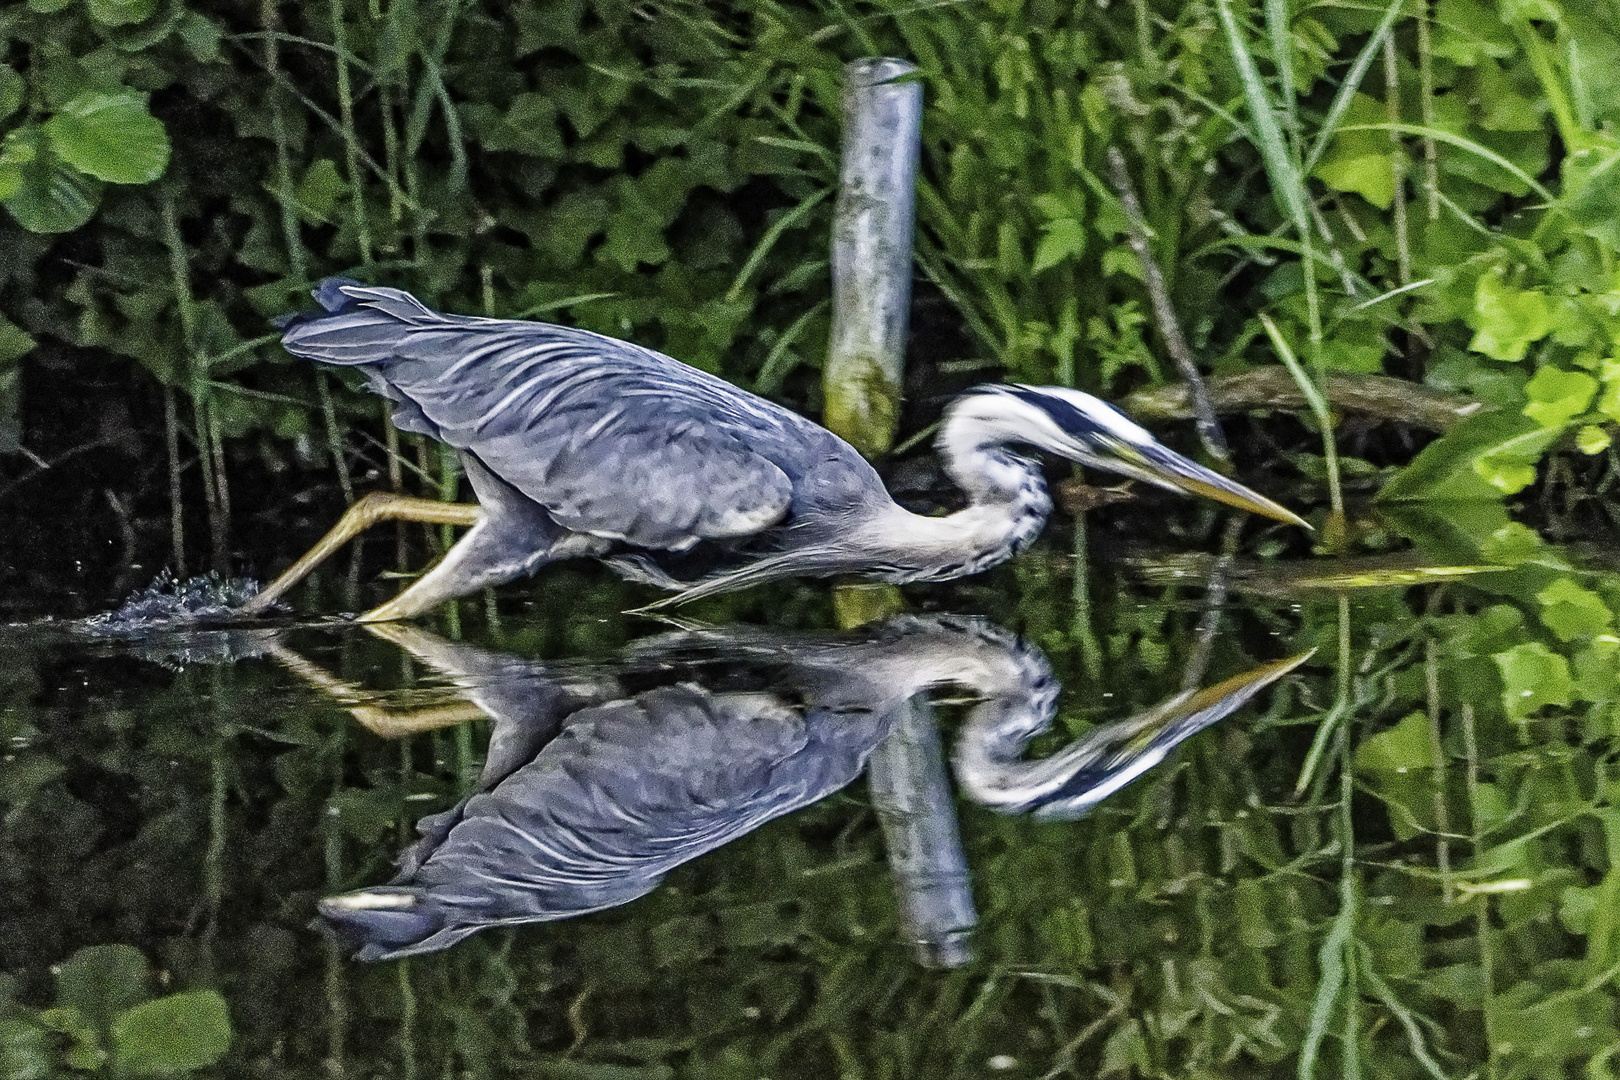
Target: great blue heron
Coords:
[(577, 444), (593, 789)]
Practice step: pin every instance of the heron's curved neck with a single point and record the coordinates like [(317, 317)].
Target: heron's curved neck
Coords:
[(1008, 505), (979, 458)]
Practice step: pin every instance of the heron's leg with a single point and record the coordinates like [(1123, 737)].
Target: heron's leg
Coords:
[(502, 546), (382, 721), (366, 512)]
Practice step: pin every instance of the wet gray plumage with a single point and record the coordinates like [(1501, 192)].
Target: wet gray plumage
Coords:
[(612, 439), (579, 444)]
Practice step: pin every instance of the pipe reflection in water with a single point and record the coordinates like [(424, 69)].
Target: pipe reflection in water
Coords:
[(912, 796), (598, 782)]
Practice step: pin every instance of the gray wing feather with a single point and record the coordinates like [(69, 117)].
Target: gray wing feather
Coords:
[(613, 439)]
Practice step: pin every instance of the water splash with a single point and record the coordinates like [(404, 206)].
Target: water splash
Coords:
[(179, 623), (206, 598)]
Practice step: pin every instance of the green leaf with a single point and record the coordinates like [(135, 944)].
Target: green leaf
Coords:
[(121, 12), (1608, 402), (84, 1041), (1511, 545), (1591, 196), (201, 35), (137, 37), (1501, 104), (1597, 675), (174, 1034), (1452, 368), (1572, 612), (1463, 984), (1404, 748), (52, 198), (1342, 354), (25, 1050), (320, 190), (1505, 474), (1052, 207), (102, 981), (570, 225), (1591, 439), (11, 91), (1120, 259), (1064, 238), (1533, 676), (14, 341), (630, 243), (1399, 765), (18, 152), (1557, 397), (1573, 324), (1507, 320), (110, 136), (1576, 910), (1593, 56), (1362, 162), (530, 127), (1481, 458), (1468, 32)]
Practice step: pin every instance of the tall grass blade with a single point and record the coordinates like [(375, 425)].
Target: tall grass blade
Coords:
[(1282, 170), (1352, 81), (1318, 406)]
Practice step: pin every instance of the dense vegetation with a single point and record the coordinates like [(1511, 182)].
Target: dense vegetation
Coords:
[(174, 177), (1408, 868)]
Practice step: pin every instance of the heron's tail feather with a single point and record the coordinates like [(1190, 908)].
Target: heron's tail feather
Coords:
[(359, 324)]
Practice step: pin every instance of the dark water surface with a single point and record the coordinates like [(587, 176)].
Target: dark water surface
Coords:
[(1398, 860)]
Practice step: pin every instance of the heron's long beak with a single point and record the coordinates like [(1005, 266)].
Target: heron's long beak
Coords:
[(1156, 464)]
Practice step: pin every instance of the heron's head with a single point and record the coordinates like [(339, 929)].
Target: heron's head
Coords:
[(1086, 429)]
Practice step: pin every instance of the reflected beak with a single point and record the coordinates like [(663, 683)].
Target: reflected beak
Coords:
[(1070, 783), (1213, 702), (1151, 734), (1165, 468)]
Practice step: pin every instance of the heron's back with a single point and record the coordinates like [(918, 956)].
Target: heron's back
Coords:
[(543, 405)]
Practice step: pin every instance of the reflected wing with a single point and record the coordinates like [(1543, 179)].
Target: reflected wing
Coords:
[(630, 790), (613, 439)]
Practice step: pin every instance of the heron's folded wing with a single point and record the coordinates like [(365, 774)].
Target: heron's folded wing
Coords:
[(656, 479), (613, 439)]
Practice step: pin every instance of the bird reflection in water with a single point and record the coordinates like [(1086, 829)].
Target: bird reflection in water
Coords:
[(599, 782)]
